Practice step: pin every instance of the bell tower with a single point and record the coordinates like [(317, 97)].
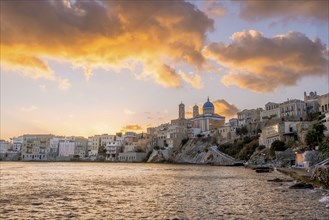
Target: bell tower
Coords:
[(195, 111), (181, 111)]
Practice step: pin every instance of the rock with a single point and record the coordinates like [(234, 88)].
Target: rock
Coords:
[(327, 206), (36, 203), (324, 199), (70, 215), (156, 157), (278, 180), (301, 186), (321, 174)]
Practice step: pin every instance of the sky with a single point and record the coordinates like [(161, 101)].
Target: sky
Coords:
[(93, 67)]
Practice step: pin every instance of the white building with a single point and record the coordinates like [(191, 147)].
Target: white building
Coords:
[(66, 147), (234, 122), (70, 147), (312, 102), (54, 146), (324, 103), (130, 147), (36, 147), (270, 133), (272, 111), (90, 147), (81, 145), (283, 131), (208, 120), (105, 139), (224, 131), (112, 152), (248, 116), (7, 152), (5, 146), (17, 143), (293, 109), (132, 157)]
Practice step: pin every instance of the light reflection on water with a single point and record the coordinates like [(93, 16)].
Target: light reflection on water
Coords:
[(149, 191)]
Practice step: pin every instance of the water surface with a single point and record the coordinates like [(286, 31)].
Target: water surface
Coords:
[(149, 191)]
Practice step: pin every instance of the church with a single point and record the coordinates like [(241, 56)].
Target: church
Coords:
[(206, 121)]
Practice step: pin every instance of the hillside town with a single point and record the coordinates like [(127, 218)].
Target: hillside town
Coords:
[(289, 122)]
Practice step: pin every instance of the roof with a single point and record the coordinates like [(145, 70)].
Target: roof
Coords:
[(208, 104)]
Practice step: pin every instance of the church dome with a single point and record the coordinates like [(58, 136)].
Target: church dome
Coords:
[(208, 104), (208, 107)]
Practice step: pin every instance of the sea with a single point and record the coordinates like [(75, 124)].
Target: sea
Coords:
[(87, 190)]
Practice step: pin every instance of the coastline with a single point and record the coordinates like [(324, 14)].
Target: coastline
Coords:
[(303, 176), (297, 174)]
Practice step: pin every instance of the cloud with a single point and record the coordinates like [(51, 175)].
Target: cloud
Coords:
[(195, 80), (104, 34), (257, 10), (262, 64), (189, 114), (149, 125), (222, 107), (214, 8), (29, 108), (128, 112), (64, 84), (133, 127)]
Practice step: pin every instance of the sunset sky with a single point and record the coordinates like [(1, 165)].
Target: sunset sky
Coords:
[(91, 67)]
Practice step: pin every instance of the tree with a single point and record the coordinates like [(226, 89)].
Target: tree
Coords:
[(241, 131), (278, 146), (247, 150), (315, 136)]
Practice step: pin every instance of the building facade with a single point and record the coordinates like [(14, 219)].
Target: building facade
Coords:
[(324, 103), (36, 147), (209, 120), (272, 111), (293, 109), (312, 101)]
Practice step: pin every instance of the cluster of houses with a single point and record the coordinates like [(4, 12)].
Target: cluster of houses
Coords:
[(47, 147), (278, 121)]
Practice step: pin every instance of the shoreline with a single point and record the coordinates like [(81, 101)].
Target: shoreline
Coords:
[(302, 176), (297, 174)]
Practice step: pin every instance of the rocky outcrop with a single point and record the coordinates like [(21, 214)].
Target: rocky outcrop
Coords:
[(195, 151), (321, 175), (200, 151), (158, 156)]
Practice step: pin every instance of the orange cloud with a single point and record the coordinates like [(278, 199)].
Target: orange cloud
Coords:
[(194, 80), (222, 107), (257, 10), (263, 64), (134, 127), (157, 35), (189, 114)]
